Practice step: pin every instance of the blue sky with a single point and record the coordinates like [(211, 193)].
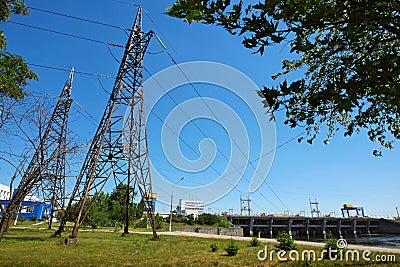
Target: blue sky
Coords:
[(342, 172)]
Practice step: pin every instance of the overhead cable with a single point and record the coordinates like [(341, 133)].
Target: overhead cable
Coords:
[(65, 34), (78, 18)]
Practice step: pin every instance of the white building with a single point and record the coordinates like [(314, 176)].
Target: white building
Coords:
[(4, 192), (188, 207)]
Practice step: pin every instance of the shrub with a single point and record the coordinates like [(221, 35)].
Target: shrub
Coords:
[(33, 218), (255, 242), (190, 219), (331, 245), (142, 223), (223, 222), (232, 249), (213, 247), (285, 242), (159, 222), (21, 218)]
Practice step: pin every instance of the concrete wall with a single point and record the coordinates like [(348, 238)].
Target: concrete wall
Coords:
[(229, 231)]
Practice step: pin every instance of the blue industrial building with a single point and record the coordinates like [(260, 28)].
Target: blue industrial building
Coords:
[(30, 206)]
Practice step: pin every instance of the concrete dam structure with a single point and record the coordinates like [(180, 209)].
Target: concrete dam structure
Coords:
[(312, 227)]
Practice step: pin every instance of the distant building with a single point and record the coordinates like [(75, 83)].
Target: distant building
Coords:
[(188, 207), (30, 206)]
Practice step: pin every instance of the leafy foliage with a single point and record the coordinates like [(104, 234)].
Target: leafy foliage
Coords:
[(254, 242), (214, 247), (142, 222), (213, 220), (159, 221), (14, 73), (21, 218), (285, 242), (232, 249), (98, 215), (347, 51), (191, 220), (331, 247), (109, 209), (12, 7), (177, 218), (118, 201)]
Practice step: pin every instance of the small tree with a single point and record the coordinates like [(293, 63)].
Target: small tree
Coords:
[(159, 221), (232, 249), (255, 242), (285, 242), (223, 222), (331, 247), (190, 219), (142, 223)]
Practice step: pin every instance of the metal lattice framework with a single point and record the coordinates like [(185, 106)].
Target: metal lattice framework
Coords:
[(46, 169), (119, 147)]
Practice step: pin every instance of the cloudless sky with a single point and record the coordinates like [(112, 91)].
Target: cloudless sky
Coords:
[(345, 171)]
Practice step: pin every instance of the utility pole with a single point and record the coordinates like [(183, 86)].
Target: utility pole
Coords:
[(172, 198), (119, 148), (47, 167)]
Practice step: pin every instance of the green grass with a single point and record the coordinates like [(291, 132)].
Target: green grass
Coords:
[(33, 247)]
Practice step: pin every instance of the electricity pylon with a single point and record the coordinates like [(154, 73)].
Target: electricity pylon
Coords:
[(119, 147), (53, 185), (47, 166)]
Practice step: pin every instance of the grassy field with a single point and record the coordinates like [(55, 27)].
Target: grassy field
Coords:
[(33, 247)]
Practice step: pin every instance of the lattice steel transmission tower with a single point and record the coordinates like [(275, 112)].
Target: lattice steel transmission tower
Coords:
[(315, 212), (52, 186), (119, 147), (46, 170), (243, 206)]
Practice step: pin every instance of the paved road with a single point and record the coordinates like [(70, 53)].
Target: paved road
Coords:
[(268, 240)]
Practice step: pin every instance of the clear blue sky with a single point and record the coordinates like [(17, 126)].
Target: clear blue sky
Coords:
[(342, 172)]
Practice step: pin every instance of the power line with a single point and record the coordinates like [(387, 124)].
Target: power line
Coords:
[(63, 33), (217, 172), (177, 135), (108, 44), (213, 113), (159, 31), (124, 3), (87, 116), (78, 18), (174, 61), (78, 72)]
